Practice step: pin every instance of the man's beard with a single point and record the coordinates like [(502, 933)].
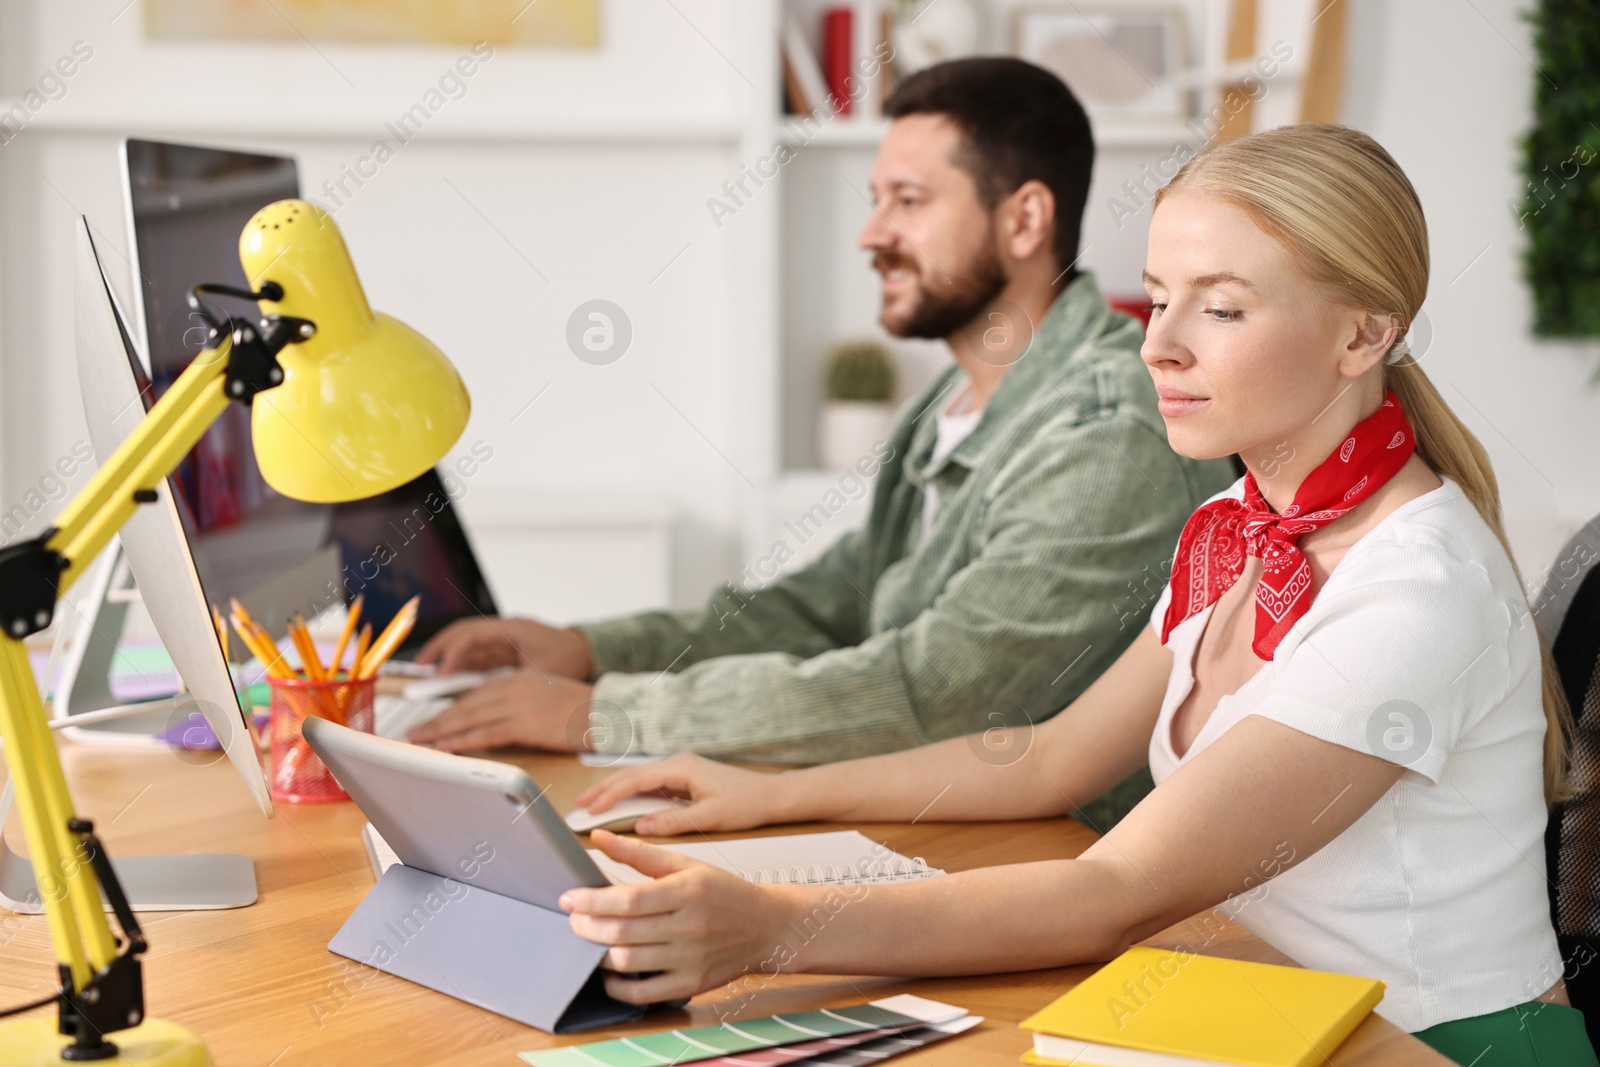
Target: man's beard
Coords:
[(944, 308)]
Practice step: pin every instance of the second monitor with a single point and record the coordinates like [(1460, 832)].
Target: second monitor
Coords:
[(186, 206)]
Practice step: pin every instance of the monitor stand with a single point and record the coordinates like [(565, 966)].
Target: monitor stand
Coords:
[(85, 709), (197, 882)]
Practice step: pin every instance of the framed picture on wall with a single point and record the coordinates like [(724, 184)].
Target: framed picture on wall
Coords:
[(1122, 60), (548, 23)]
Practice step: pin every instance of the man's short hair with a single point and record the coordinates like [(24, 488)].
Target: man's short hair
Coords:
[(1018, 122)]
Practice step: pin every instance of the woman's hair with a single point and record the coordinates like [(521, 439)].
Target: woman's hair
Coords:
[(1349, 216)]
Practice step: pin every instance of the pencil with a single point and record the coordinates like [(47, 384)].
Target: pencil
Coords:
[(267, 652), (259, 642), (344, 638), (398, 630), (263, 641), (222, 631), (238, 609), (249, 641), (363, 643), (308, 650)]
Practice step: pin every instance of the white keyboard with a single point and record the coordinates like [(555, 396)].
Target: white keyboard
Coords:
[(393, 716)]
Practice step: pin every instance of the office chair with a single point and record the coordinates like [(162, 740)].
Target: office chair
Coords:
[(1567, 610)]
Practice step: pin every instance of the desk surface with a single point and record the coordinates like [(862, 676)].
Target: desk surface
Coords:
[(259, 985)]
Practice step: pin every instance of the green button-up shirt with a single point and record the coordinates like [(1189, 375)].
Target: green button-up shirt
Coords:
[(1055, 517)]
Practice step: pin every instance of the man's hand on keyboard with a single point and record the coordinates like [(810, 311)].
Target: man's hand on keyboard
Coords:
[(486, 642), (529, 708)]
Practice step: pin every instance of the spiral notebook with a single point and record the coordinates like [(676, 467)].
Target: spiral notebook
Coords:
[(838, 857)]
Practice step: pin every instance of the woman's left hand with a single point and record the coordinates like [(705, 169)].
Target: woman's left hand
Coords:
[(693, 927)]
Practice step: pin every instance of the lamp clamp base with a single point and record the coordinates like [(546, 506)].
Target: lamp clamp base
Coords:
[(113, 998)]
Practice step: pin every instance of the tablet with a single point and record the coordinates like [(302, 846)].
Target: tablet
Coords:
[(460, 825), (477, 820)]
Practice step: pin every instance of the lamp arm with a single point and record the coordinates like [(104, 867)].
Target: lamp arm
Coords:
[(101, 990), (109, 494), (150, 453)]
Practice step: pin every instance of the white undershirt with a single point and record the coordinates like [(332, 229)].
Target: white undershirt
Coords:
[(955, 423), (1418, 649)]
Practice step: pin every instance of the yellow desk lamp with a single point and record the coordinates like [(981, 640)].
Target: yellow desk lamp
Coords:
[(345, 404)]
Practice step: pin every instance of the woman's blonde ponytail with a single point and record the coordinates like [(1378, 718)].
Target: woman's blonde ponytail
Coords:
[(1451, 450)]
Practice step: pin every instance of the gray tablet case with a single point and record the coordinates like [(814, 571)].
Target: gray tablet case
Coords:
[(470, 910)]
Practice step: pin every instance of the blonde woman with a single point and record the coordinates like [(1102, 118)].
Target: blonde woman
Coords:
[(1341, 689)]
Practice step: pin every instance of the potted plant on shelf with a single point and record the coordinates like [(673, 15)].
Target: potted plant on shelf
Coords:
[(856, 409)]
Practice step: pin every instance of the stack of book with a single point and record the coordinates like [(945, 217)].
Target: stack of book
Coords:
[(1162, 1008), (832, 78)]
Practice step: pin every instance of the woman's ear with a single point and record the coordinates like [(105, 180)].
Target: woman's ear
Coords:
[(1370, 337)]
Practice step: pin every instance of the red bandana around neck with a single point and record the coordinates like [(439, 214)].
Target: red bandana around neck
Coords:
[(1218, 537)]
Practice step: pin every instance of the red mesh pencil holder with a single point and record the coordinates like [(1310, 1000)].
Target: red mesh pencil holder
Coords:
[(298, 775)]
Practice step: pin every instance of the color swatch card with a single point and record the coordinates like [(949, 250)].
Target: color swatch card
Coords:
[(802, 1052), (895, 1044), (889, 1015), (856, 1049)]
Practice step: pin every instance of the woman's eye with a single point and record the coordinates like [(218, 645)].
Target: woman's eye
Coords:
[(1223, 314), (1155, 309)]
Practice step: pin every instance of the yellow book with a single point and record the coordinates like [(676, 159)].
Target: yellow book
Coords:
[(1154, 1007)]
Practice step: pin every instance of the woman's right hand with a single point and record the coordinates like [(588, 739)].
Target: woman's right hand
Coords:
[(722, 797)]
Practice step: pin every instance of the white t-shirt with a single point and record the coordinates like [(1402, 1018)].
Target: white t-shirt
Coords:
[(953, 429), (1420, 649)]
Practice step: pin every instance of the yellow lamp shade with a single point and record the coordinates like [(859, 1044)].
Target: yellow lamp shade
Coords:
[(367, 404)]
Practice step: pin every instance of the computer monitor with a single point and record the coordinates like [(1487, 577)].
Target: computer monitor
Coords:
[(154, 544), (186, 207), (115, 399), (281, 557), (215, 528)]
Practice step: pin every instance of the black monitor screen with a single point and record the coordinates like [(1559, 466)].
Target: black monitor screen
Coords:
[(409, 542)]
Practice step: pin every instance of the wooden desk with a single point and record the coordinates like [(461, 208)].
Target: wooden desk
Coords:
[(259, 985)]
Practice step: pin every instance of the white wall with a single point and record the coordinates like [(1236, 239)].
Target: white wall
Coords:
[(595, 168), (1448, 89)]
